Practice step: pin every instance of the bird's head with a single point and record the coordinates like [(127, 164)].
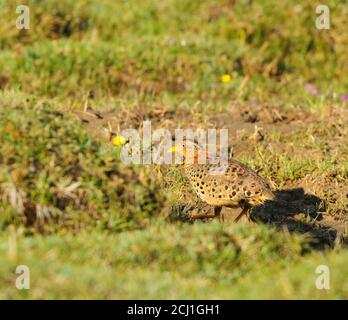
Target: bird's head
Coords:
[(191, 151)]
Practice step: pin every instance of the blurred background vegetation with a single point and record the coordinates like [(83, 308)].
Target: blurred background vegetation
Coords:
[(89, 226), (176, 49)]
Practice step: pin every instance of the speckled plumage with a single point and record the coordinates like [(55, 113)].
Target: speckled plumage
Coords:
[(228, 188), (231, 185)]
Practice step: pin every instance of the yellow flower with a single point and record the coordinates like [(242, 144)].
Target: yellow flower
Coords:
[(226, 78), (119, 140)]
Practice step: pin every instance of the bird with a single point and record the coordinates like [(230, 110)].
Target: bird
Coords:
[(230, 185)]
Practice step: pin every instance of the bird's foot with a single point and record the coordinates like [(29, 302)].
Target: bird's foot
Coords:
[(246, 211)]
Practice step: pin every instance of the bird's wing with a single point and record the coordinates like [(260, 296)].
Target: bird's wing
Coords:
[(232, 170), (238, 175)]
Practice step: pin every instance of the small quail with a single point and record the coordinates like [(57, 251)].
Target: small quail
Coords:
[(230, 185)]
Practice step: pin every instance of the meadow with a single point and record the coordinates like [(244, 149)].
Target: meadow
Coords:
[(90, 226)]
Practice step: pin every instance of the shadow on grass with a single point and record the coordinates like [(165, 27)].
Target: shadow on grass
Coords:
[(294, 212), (298, 212)]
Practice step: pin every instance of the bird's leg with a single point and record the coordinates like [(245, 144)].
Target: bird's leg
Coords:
[(246, 211), (217, 213)]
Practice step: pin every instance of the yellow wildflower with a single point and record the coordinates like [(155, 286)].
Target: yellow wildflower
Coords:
[(226, 78), (119, 140)]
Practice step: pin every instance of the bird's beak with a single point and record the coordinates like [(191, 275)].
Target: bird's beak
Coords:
[(176, 150), (173, 149)]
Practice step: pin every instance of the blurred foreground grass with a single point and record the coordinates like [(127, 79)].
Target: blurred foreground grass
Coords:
[(197, 261)]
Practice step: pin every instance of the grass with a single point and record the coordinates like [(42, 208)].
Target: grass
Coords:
[(80, 46), (49, 164), (89, 226), (171, 262)]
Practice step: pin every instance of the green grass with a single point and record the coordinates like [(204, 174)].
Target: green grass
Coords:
[(111, 47), (170, 261), (50, 164), (89, 226)]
